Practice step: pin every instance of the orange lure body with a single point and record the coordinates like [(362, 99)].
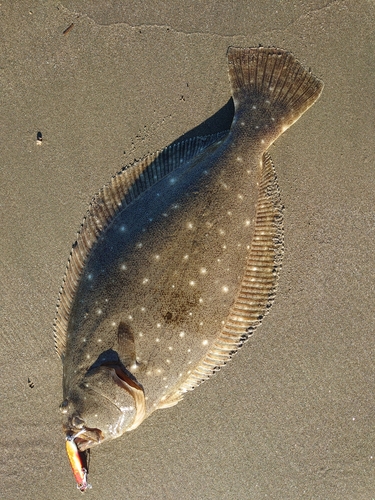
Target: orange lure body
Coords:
[(80, 473)]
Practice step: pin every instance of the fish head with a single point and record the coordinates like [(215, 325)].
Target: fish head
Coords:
[(104, 405)]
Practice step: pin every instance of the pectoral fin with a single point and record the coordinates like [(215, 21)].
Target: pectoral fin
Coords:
[(126, 345)]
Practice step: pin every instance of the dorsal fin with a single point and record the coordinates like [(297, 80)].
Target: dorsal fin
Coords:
[(123, 189), (258, 287)]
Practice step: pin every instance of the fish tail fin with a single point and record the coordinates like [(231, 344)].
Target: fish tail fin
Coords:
[(271, 90)]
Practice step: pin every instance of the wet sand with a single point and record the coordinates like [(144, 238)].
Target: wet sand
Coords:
[(291, 416)]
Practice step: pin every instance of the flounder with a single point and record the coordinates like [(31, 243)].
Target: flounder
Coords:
[(177, 260)]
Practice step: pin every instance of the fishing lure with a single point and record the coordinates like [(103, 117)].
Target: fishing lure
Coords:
[(79, 472)]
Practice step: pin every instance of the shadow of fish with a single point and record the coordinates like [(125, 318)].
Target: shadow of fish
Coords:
[(177, 259)]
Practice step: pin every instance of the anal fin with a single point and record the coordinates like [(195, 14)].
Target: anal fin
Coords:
[(257, 290), (171, 400)]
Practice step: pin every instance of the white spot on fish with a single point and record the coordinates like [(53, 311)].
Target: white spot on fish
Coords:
[(99, 312), (157, 339), (200, 300), (139, 245), (205, 342), (90, 276), (192, 283), (123, 267), (157, 257), (145, 281), (225, 289), (247, 222), (203, 270), (189, 225), (182, 335)]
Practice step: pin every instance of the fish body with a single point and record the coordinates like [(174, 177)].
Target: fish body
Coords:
[(177, 259)]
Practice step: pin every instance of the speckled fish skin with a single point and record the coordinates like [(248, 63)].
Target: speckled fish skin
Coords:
[(177, 260)]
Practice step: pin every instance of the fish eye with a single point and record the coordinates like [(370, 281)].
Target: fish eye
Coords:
[(64, 406), (77, 422)]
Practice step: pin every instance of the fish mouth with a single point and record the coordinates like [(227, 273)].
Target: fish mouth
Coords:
[(85, 437)]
